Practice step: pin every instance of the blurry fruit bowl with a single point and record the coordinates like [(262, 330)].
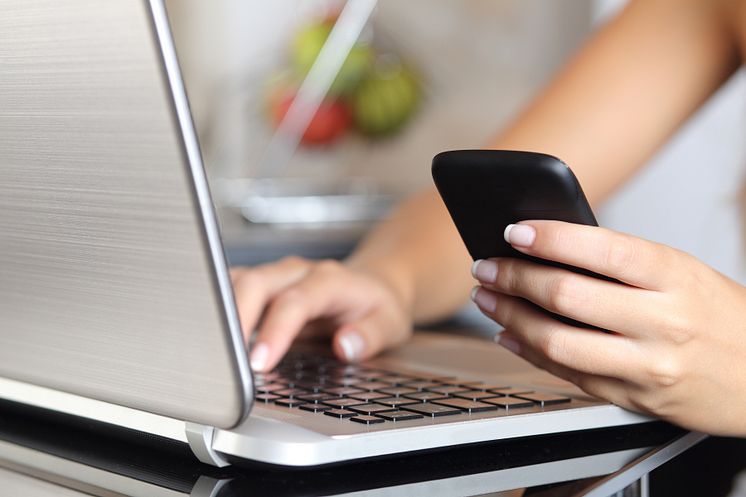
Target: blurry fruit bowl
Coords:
[(375, 92)]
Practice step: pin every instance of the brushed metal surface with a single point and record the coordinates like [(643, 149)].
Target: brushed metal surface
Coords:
[(294, 437), (109, 286)]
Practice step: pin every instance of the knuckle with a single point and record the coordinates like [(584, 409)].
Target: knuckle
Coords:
[(697, 275), (554, 346), (507, 280), (564, 294), (328, 266), (649, 401), (620, 254), (504, 311), (678, 328), (589, 384), (293, 296), (666, 370), (293, 261)]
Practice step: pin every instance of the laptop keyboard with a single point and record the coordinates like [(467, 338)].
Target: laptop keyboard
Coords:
[(360, 394)]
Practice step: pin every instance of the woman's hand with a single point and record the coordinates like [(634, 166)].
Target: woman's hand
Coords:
[(677, 347), (363, 311)]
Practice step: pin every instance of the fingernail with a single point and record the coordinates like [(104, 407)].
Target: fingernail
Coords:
[(508, 342), (485, 299), (521, 235), (259, 356), (352, 345), (484, 270)]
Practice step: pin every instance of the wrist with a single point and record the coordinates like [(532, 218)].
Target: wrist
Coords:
[(395, 275)]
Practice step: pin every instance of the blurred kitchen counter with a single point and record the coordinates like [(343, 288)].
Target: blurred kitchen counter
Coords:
[(248, 244)]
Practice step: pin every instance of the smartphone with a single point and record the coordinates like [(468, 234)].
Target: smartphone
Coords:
[(486, 190)]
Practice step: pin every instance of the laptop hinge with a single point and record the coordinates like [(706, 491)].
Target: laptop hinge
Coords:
[(200, 441)]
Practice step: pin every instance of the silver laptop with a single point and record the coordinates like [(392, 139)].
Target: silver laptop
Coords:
[(115, 301)]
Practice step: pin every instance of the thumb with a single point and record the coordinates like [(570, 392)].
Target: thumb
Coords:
[(364, 338)]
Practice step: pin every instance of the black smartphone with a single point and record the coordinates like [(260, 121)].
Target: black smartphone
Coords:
[(486, 190)]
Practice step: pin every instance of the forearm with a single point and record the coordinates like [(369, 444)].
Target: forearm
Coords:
[(418, 251), (628, 90), (622, 96)]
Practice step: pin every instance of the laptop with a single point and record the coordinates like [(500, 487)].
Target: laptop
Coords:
[(115, 300)]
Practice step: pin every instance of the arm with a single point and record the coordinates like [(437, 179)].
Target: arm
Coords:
[(675, 346), (622, 96), (605, 114)]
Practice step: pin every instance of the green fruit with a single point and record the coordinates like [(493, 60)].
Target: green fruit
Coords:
[(306, 47), (383, 102)]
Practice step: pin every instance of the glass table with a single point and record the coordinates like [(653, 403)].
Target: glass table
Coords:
[(41, 454)]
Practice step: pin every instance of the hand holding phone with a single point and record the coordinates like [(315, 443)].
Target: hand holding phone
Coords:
[(486, 190)]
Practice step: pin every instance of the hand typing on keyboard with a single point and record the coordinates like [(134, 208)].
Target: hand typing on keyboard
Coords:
[(294, 297), (308, 380)]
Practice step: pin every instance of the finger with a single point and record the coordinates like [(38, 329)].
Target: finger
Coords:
[(626, 258), (586, 351), (364, 338), (320, 293), (254, 287), (610, 389), (600, 303), (508, 340)]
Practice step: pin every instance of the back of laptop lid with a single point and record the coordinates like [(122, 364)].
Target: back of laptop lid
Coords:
[(113, 283)]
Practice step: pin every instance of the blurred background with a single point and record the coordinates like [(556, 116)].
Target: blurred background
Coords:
[(421, 77), (305, 147)]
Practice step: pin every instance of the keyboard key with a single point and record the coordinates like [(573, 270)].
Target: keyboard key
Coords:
[(314, 387), (425, 396), (511, 391), (509, 402), (340, 413), (343, 402), (447, 389), (266, 377), (290, 392), (470, 384), (544, 399), (288, 402), (446, 380), (421, 384), (347, 381), (267, 397), (316, 397), (348, 370), (314, 407), (397, 401), (395, 380), (396, 391), (372, 385), (371, 408), (399, 416), (466, 405), (368, 396), (432, 410), (342, 390), (489, 387), (372, 375), (270, 388), (292, 376), (475, 395), (367, 420)]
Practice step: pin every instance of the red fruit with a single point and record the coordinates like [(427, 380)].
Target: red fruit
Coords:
[(329, 123)]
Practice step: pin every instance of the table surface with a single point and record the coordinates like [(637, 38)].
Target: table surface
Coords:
[(39, 450)]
